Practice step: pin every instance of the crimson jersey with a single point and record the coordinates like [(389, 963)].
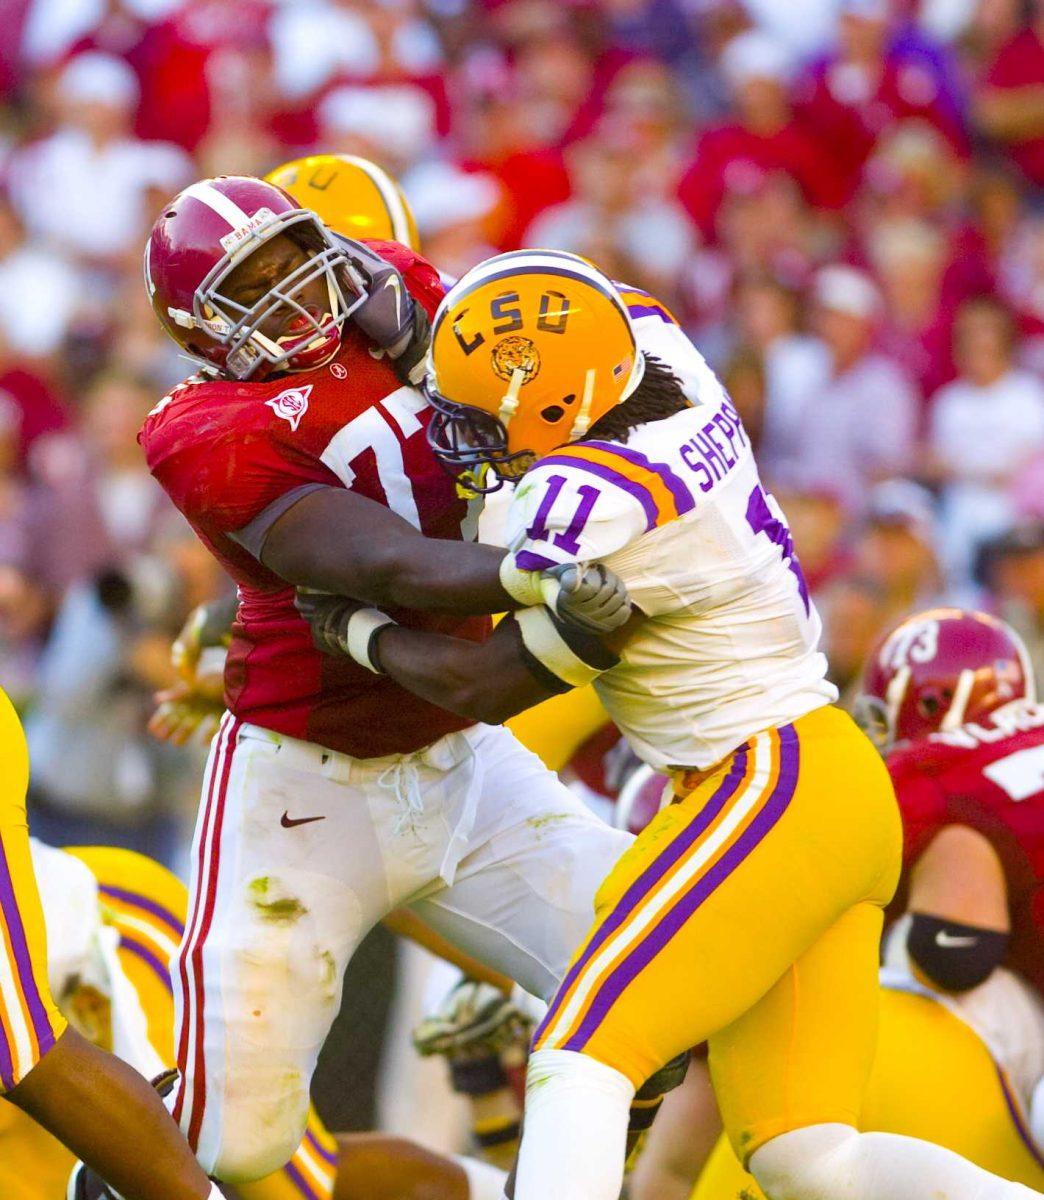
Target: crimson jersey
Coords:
[(991, 778), (226, 451)]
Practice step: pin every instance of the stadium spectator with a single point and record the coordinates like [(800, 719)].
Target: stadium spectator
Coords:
[(896, 547), (856, 423), (34, 399), (1016, 577), (609, 216), (984, 427), (879, 73), (763, 137), (394, 124), (458, 215), (767, 313), (1009, 103), (910, 259), (1020, 281), (90, 187), (39, 290), (855, 611)]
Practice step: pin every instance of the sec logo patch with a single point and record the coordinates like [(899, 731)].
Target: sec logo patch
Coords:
[(338, 370), (291, 405)]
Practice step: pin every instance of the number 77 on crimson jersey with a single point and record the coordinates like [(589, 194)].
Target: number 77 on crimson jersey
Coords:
[(235, 455)]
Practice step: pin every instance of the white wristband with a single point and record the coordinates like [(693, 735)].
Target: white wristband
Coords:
[(543, 640), (362, 625)]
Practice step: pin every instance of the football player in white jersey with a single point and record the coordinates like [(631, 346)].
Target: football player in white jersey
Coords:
[(749, 911)]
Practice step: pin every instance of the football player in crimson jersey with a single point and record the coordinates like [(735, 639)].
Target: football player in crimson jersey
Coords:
[(332, 796), (950, 695)]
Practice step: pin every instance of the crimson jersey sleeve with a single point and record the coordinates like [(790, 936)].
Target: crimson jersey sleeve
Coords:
[(922, 803), (222, 484)]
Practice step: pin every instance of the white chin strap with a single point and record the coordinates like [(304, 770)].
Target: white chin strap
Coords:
[(509, 404), (583, 417)]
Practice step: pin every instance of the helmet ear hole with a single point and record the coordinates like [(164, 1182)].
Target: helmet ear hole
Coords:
[(553, 413), (931, 705)]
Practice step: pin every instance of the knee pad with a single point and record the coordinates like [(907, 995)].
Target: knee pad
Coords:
[(954, 957), (260, 1141)]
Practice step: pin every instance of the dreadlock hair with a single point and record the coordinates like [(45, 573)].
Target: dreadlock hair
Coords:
[(659, 395)]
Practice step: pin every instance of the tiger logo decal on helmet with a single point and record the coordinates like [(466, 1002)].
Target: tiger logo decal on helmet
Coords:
[(513, 354), (550, 326)]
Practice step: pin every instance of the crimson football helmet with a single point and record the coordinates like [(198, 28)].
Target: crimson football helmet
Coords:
[(203, 234), (938, 670)]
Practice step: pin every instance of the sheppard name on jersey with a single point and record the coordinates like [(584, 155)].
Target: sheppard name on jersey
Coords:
[(1005, 723), (707, 455)]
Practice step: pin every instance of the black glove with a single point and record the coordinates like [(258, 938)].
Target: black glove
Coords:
[(342, 627), (389, 315), (328, 618)]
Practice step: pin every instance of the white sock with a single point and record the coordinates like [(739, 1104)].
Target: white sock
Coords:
[(574, 1136), (485, 1182), (837, 1162)]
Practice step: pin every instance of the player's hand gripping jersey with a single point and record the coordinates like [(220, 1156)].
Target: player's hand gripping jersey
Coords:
[(679, 513), (233, 455)]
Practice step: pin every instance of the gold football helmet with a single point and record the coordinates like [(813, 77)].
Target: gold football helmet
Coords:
[(352, 196), (528, 350)]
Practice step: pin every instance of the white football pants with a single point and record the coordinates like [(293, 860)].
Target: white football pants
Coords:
[(299, 851)]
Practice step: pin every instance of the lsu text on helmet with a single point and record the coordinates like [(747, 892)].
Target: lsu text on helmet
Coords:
[(528, 350), (350, 195), (210, 229), (938, 670)]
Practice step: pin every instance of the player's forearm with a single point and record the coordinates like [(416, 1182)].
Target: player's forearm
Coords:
[(334, 541), (485, 681), (458, 577)]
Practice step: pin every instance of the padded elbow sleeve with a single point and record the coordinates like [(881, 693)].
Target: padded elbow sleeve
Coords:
[(954, 957)]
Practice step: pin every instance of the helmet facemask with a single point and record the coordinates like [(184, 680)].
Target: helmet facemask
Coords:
[(464, 437), (316, 337), (467, 439), (871, 715)]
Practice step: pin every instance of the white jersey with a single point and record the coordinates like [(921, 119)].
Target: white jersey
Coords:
[(678, 512)]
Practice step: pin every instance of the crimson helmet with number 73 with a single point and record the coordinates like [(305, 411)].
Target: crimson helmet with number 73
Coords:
[(528, 350), (938, 670), (291, 323)]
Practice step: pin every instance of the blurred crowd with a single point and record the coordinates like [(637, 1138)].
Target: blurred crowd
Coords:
[(841, 200)]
